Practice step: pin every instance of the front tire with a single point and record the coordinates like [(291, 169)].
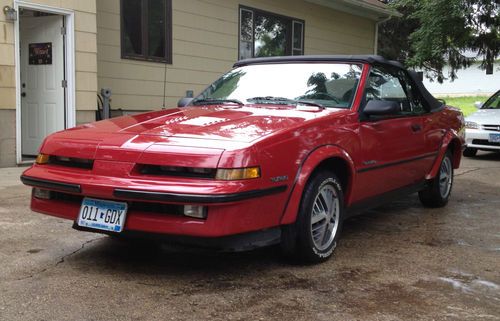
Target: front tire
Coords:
[(437, 193), (314, 235)]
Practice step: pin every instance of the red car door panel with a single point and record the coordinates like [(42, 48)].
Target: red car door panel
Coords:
[(392, 151)]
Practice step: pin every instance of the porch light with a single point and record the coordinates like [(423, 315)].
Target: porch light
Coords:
[(232, 174), (10, 13)]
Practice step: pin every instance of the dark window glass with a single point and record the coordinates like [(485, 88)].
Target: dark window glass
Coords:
[(132, 26), (263, 34), (416, 102), (246, 34), (146, 30), (394, 85), (298, 32), (156, 27), (246, 25)]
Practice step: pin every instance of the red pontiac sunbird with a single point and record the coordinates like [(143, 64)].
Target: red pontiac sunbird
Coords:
[(278, 150)]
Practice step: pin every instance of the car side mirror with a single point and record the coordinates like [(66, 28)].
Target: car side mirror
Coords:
[(381, 108), (478, 104), (183, 102)]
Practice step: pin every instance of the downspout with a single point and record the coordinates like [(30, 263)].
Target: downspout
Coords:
[(375, 45)]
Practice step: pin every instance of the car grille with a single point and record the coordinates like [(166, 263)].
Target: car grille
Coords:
[(484, 142), (494, 128), (191, 172)]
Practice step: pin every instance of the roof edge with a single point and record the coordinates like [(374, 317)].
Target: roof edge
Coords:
[(368, 9)]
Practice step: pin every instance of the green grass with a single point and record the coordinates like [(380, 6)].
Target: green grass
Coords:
[(466, 103)]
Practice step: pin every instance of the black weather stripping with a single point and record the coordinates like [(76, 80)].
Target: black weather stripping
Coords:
[(52, 185), (196, 198)]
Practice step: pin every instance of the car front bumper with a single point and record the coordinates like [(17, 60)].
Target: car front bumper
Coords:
[(480, 139), (233, 208)]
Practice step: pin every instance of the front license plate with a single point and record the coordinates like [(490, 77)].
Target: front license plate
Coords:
[(494, 138), (102, 215)]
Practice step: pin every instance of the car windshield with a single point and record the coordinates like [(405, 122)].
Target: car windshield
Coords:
[(316, 84), (493, 102)]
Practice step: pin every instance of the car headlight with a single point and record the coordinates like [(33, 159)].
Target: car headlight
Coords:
[(471, 125), (232, 174)]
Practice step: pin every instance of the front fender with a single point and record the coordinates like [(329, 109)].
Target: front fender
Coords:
[(307, 167), (452, 139)]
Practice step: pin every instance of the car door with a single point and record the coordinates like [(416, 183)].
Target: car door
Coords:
[(393, 146)]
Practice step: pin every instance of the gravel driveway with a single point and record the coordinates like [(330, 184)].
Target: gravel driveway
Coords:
[(397, 262)]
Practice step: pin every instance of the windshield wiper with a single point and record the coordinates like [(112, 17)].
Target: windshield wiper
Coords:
[(284, 101), (272, 99), (216, 101), (309, 103)]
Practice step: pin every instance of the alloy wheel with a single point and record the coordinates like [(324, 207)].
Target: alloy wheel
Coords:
[(325, 217), (445, 177)]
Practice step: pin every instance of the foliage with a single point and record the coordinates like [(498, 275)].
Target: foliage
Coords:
[(434, 33), (465, 103), (270, 32)]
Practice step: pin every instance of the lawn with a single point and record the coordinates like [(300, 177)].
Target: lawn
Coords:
[(466, 103)]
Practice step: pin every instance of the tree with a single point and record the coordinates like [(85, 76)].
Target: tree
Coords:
[(434, 33)]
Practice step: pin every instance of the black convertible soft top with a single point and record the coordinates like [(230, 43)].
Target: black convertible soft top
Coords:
[(431, 101)]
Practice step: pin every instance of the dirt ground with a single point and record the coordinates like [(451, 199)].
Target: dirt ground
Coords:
[(398, 262)]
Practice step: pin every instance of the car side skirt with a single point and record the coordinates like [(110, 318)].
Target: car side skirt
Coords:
[(364, 205)]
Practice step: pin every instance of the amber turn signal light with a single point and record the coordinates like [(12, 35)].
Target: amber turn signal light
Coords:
[(233, 174), (42, 159)]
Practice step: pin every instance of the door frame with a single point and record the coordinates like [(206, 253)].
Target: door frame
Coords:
[(69, 68)]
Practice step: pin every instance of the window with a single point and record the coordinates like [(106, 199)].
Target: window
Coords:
[(146, 30), (327, 84), (395, 85), (493, 102), (264, 34)]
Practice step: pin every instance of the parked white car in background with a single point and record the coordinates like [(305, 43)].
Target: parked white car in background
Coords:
[(482, 128)]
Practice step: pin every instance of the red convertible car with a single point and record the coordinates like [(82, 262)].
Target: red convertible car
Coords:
[(278, 150)]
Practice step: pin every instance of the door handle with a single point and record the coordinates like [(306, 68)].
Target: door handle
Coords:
[(416, 127), (23, 94)]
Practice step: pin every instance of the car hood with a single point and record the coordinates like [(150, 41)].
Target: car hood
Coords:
[(485, 116), (241, 124), (195, 133)]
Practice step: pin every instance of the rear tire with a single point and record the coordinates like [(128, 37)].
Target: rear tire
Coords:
[(470, 152), (437, 193), (313, 237)]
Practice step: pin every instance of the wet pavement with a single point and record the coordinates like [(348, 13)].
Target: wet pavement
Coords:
[(398, 262)]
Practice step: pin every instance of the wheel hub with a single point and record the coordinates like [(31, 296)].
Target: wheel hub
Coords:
[(324, 217), (445, 177)]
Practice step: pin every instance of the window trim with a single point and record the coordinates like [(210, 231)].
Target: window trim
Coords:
[(145, 34), (290, 26)]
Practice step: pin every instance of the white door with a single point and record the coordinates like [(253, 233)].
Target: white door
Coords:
[(42, 74)]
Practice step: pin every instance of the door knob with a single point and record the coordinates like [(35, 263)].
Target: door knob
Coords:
[(23, 94)]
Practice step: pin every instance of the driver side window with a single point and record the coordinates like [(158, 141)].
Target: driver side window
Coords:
[(393, 85)]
